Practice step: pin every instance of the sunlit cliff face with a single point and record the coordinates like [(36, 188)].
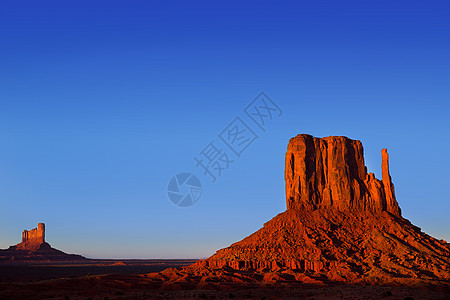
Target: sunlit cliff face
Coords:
[(330, 173), (32, 239)]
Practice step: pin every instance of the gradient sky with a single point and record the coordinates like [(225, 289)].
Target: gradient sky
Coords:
[(102, 102)]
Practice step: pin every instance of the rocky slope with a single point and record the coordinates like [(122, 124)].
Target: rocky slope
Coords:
[(338, 246)]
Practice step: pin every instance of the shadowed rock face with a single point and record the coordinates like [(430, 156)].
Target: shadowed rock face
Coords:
[(330, 173)]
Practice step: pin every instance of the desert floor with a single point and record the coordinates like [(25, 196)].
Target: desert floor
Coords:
[(127, 279)]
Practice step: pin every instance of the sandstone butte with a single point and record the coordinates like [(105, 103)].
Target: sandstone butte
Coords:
[(341, 225), (34, 248)]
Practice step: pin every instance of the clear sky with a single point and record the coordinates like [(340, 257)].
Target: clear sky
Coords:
[(102, 102)]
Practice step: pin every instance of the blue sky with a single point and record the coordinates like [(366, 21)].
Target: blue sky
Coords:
[(102, 102)]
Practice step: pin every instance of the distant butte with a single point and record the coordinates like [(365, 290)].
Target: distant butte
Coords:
[(341, 225), (34, 248)]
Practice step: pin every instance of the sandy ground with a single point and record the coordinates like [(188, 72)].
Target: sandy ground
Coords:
[(71, 281)]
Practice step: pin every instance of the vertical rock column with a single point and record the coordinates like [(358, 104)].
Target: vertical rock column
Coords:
[(41, 233), (24, 236), (391, 202)]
